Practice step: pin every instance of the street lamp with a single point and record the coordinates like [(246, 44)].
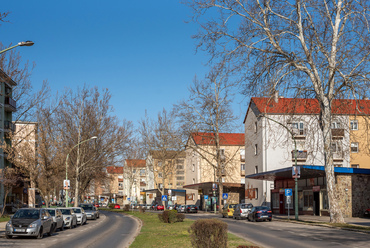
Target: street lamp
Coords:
[(22, 43), (94, 137)]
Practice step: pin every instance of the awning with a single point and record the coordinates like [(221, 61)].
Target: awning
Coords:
[(210, 184), (307, 171), (156, 190)]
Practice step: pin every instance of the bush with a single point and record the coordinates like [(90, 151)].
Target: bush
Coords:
[(180, 217), (111, 206), (141, 209), (126, 207), (168, 216), (208, 233)]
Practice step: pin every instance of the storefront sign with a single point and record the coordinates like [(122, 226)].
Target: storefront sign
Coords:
[(316, 188)]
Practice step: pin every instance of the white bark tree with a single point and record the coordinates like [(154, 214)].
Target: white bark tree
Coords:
[(305, 48)]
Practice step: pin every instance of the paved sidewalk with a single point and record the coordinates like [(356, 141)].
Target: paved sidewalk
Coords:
[(2, 229)]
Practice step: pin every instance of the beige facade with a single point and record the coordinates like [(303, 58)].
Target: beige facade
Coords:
[(359, 141)]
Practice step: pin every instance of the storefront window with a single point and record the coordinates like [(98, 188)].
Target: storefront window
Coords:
[(307, 199), (275, 200), (325, 202)]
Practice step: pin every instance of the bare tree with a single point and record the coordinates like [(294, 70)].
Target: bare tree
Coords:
[(208, 113), (163, 141), (306, 48), (82, 116), (10, 178)]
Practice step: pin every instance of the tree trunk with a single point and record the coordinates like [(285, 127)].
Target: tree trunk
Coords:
[(334, 207), (77, 187)]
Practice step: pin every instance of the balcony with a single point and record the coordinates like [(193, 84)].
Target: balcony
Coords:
[(242, 158), (301, 155), (9, 126), (10, 104), (337, 133), (338, 156), (242, 172), (299, 133)]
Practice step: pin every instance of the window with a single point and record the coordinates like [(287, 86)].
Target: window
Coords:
[(355, 166), (256, 169), (180, 178), (193, 180), (242, 154), (180, 167), (325, 202), (354, 147), (335, 125), (242, 167), (354, 125), (298, 128), (179, 172), (134, 170), (193, 169), (159, 164), (333, 147), (275, 200), (160, 185), (255, 149), (142, 172), (160, 175), (255, 127), (307, 199)]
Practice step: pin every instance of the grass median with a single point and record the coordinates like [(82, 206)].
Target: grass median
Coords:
[(4, 218), (157, 234)]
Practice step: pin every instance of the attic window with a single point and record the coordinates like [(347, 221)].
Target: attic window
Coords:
[(271, 105), (362, 107)]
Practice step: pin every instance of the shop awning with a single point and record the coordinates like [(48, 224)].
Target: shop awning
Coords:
[(209, 185)]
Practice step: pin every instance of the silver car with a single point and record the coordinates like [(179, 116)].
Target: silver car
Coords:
[(242, 210), (57, 216), (69, 217), (81, 215), (29, 222), (181, 209), (91, 212)]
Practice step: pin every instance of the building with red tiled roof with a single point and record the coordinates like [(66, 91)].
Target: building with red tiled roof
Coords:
[(201, 166), (134, 177)]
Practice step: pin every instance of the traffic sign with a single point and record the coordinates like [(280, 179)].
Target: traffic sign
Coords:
[(164, 198), (225, 196), (128, 199), (289, 199), (288, 192), (205, 197)]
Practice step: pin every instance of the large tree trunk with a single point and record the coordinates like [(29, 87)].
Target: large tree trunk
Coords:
[(334, 207)]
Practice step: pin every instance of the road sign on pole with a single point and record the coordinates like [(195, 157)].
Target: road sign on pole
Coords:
[(288, 192), (225, 196), (205, 197), (164, 198)]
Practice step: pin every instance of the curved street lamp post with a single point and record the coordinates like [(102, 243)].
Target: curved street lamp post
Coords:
[(66, 188), (23, 43)]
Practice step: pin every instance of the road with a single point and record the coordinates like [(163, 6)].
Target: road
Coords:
[(285, 234), (110, 230)]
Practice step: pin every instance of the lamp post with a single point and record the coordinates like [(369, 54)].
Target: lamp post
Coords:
[(23, 43), (295, 163), (94, 137)]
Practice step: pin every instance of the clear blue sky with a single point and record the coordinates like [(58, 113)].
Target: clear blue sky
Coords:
[(142, 51)]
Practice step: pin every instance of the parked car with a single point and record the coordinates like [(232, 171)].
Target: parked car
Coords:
[(228, 210), (260, 213), (171, 207), (242, 210), (191, 209), (181, 209), (69, 217), (29, 222), (367, 213), (81, 215), (159, 207), (117, 206), (97, 205), (57, 216), (148, 207), (91, 211)]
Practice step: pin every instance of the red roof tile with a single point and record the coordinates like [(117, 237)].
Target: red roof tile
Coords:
[(136, 162), (310, 106), (225, 138), (114, 170)]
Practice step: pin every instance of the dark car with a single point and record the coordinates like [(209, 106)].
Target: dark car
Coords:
[(260, 213), (191, 209), (367, 213), (30, 222)]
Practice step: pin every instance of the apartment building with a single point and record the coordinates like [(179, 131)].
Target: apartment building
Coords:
[(134, 181), (201, 178)]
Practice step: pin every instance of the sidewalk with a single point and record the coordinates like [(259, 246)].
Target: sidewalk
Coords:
[(2, 229)]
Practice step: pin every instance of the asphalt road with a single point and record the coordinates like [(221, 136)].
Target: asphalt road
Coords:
[(284, 234), (110, 230)]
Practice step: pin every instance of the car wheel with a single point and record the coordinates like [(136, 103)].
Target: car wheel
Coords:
[(41, 234), (248, 218), (62, 228), (8, 236), (270, 219)]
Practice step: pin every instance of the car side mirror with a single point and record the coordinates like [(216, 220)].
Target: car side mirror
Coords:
[(44, 217)]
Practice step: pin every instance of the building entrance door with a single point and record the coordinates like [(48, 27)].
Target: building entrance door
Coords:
[(281, 204), (316, 203)]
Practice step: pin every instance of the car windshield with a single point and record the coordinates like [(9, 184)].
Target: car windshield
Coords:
[(27, 214), (66, 211), (51, 212), (232, 205), (77, 210), (243, 206), (87, 207), (262, 208)]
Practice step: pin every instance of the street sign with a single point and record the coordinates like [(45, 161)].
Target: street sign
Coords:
[(225, 196), (289, 199), (205, 197), (164, 198), (128, 199), (288, 192)]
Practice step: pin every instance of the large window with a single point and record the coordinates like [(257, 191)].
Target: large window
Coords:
[(242, 167), (307, 199), (275, 200), (354, 125), (255, 149)]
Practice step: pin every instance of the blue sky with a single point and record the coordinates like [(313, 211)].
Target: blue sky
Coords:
[(142, 51)]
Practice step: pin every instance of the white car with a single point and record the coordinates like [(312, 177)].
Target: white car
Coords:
[(81, 215), (57, 218), (69, 217)]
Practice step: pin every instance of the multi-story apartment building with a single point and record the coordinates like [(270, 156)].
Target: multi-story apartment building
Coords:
[(113, 187), (7, 106), (283, 132), (166, 173), (134, 181), (201, 173)]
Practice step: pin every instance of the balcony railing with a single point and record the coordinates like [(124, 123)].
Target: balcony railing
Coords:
[(8, 125), (10, 104), (337, 132), (301, 155), (242, 172), (242, 158), (338, 155)]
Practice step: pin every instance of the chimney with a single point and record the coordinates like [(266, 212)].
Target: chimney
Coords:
[(276, 96)]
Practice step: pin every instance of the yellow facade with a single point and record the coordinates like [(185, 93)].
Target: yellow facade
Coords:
[(359, 140)]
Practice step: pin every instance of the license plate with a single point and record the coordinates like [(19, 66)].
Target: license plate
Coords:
[(265, 216), (19, 230)]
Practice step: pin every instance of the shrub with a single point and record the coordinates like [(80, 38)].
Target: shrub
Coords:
[(180, 217), (141, 209), (126, 207), (111, 206), (208, 233), (169, 216)]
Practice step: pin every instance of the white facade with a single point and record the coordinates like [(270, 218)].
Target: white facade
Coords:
[(269, 146)]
